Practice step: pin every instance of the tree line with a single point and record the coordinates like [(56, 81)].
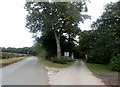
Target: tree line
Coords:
[(24, 50), (102, 43)]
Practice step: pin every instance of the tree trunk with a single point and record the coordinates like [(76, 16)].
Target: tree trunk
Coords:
[(57, 37)]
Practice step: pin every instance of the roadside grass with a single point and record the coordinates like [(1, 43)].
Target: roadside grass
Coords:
[(4, 62), (49, 63), (100, 69), (104, 73)]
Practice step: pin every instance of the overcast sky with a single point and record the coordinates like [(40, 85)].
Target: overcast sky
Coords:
[(13, 32)]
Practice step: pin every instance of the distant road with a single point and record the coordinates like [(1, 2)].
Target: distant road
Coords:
[(26, 72)]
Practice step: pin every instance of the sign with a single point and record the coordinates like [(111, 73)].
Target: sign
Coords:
[(66, 54)]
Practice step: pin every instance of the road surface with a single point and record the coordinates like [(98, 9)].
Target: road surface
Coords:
[(76, 74), (25, 72)]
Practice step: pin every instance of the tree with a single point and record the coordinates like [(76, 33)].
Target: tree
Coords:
[(61, 18), (67, 44), (108, 27), (103, 42), (48, 43)]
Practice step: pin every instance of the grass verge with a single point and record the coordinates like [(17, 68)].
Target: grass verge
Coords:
[(99, 68), (8, 61), (54, 65), (103, 72)]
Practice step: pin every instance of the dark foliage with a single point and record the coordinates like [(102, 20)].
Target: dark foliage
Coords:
[(103, 42)]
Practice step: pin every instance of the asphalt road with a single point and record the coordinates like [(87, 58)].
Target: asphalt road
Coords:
[(26, 72)]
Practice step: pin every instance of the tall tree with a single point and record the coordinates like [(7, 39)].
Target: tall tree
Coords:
[(108, 26), (103, 42), (61, 18)]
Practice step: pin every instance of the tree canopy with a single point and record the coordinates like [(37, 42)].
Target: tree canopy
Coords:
[(103, 42), (59, 18)]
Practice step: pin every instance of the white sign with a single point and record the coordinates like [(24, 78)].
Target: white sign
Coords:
[(66, 53)]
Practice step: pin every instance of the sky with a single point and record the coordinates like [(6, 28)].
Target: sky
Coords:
[(95, 9), (13, 32)]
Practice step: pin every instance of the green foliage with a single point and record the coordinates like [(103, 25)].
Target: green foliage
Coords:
[(115, 63), (49, 63), (48, 43), (62, 60), (69, 59), (39, 50), (59, 17), (59, 60), (103, 42), (100, 69), (54, 20)]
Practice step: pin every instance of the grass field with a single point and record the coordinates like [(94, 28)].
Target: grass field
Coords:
[(8, 61), (54, 65), (102, 71)]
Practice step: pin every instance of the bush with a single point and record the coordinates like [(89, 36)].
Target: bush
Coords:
[(68, 59), (98, 56), (62, 60), (48, 55), (115, 63), (59, 60)]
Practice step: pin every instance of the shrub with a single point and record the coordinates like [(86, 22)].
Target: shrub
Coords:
[(69, 59), (62, 60), (59, 60), (115, 63)]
